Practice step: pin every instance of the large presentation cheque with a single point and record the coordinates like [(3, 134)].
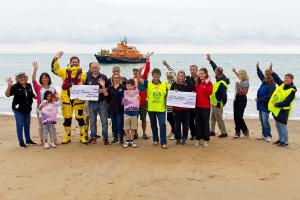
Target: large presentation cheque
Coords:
[(181, 99), (85, 92)]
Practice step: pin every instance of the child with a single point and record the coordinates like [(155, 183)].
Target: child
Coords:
[(130, 118), (48, 108), (280, 105)]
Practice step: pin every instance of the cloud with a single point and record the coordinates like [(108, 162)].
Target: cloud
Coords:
[(205, 23)]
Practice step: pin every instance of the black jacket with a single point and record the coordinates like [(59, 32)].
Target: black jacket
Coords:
[(221, 93), (23, 97)]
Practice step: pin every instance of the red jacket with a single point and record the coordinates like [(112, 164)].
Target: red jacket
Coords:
[(203, 91), (142, 89)]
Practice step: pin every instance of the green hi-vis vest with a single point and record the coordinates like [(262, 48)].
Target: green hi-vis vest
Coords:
[(278, 96), (213, 99), (156, 96)]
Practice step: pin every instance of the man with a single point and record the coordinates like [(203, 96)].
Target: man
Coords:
[(192, 79), (218, 99), (70, 75), (117, 70), (98, 107)]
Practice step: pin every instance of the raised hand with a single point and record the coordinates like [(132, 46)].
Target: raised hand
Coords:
[(271, 67), (59, 55), (9, 81), (148, 55), (102, 82), (208, 57), (257, 65), (164, 62), (233, 70), (35, 65)]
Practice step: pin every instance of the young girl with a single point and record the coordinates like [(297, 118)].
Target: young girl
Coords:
[(48, 108), (240, 103), (40, 88)]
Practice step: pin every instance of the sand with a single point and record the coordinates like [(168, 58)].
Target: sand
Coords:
[(227, 169)]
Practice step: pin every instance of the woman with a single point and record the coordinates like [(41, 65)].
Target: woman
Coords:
[(264, 94), (203, 91), (115, 94), (21, 105), (156, 93), (40, 89), (181, 115), (240, 103)]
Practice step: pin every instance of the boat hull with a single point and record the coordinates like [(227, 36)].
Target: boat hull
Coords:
[(114, 60)]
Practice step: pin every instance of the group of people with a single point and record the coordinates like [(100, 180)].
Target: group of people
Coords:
[(211, 98)]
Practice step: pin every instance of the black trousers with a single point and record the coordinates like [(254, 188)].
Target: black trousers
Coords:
[(181, 118), (170, 118), (192, 125), (202, 123), (239, 105)]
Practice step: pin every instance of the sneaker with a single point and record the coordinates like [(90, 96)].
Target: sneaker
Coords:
[(53, 145), (177, 142), (136, 136), (277, 142), (46, 145), (115, 140), (236, 136), (223, 135), (192, 138), (93, 141), (164, 146), (170, 134), (205, 144), (22, 145), (155, 143), (31, 142), (283, 145), (212, 134), (246, 135), (268, 139), (172, 137), (133, 144), (125, 144), (197, 143), (183, 141), (105, 142), (261, 138)]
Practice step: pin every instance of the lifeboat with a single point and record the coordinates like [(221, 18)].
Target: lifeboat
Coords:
[(120, 54)]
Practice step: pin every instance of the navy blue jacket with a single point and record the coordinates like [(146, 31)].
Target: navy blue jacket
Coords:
[(264, 92), (284, 114), (221, 93)]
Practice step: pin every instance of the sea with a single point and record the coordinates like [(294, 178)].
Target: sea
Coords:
[(10, 64)]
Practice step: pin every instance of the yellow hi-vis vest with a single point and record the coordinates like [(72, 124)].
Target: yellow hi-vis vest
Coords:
[(156, 96), (213, 99), (278, 96)]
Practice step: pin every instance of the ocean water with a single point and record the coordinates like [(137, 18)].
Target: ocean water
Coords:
[(10, 64)]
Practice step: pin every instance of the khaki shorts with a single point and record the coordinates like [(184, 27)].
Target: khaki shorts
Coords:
[(143, 112), (130, 122)]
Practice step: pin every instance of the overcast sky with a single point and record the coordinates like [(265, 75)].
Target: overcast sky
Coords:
[(166, 26)]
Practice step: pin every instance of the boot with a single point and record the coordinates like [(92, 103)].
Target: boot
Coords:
[(67, 138), (83, 135)]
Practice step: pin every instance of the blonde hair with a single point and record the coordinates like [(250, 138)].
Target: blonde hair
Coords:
[(243, 75), (112, 78)]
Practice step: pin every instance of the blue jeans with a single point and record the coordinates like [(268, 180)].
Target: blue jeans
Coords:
[(181, 117), (22, 122), (117, 122), (100, 108), (282, 132), (265, 124), (161, 116)]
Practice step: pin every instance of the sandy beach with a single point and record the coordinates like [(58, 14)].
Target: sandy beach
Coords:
[(227, 169)]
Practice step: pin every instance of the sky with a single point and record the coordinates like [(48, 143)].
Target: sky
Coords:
[(163, 26)]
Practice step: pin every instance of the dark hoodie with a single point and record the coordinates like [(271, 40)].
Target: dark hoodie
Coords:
[(221, 93), (284, 114)]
